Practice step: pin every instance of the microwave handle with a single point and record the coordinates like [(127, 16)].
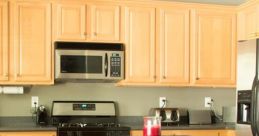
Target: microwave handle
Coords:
[(106, 64)]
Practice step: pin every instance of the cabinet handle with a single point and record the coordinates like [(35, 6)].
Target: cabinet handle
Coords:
[(164, 77), (85, 33), (17, 75), (154, 77), (197, 78), (95, 34)]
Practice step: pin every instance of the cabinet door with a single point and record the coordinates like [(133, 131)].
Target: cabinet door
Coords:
[(196, 133), (3, 41), (28, 134), (136, 133), (104, 22), (173, 46), (140, 44), (70, 19), (214, 48), (32, 42), (248, 23), (227, 133)]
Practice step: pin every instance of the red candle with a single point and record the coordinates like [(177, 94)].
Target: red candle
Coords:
[(151, 131)]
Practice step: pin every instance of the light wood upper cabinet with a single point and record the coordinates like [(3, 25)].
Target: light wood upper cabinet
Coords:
[(140, 44), (46, 133), (247, 21), (4, 41), (79, 21), (214, 51), (173, 46), (32, 42), (104, 22), (71, 21)]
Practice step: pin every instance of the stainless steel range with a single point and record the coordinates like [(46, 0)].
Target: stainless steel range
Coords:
[(87, 118)]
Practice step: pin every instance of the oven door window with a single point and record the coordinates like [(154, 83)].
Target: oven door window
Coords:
[(81, 64)]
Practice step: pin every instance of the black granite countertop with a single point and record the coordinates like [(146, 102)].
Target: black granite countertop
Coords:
[(135, 123), (221, 126), (22, 124)]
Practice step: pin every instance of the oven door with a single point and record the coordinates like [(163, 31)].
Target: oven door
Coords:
[(81, 64)]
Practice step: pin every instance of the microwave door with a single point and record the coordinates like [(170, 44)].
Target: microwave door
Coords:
[(81, 64)]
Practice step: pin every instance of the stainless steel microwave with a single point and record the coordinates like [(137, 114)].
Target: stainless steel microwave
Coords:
[(94, 61)]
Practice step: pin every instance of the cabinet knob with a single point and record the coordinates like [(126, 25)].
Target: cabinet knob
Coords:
[(18, 75), (85, 33), (164, 77), (197, 78), (154, 77), (95, 34)]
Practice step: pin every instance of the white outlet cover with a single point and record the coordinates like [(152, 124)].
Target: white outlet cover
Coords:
[(206, 101), (34, 99)]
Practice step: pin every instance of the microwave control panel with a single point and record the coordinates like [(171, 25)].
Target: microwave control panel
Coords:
[(115, 65)]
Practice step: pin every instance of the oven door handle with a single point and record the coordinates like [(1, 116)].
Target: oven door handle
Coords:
[(106, 64)]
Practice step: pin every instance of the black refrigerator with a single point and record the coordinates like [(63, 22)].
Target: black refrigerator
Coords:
[(248, 88)]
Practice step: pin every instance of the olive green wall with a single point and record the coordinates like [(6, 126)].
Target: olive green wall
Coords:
[(132, 101)]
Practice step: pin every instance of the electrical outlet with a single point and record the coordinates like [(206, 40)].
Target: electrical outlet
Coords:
[(34, 99), (162, 102), (207, 102)]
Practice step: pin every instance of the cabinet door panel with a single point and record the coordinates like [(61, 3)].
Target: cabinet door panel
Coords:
[(71, 21), (4, 41), (105, 22), (215, 48), (197, 133), (247, 20), (174, 46), (251, 24), (32, 42), (140, 44)]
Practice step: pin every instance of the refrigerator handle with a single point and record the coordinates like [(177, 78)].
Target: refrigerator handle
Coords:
[(253, 113), (256, 110)]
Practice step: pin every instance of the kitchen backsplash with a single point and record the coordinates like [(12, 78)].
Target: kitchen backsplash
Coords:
[(132, 101)]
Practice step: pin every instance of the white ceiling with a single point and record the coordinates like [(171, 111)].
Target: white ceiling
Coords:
[(221, 2)]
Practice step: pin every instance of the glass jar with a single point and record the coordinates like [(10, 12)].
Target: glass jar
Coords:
[(152, 126)]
